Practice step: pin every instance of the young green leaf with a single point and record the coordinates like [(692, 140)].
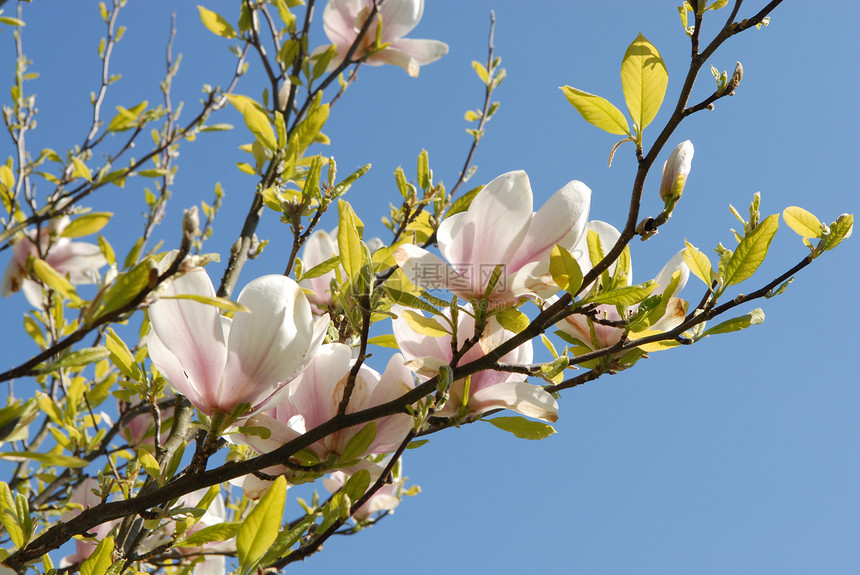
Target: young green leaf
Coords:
[(802, 222), (644, 80), (260, 528), (349, 241), (522, 427), (754, 317), (100, 561), (512, 320), (597, 111), (359, 443), (698, 263), (258, 122), (219, 302), (210, 533), (840, 230), (565, 270), (751, 251), (216, 23), (624, 296), (423, 325), (79, 358)]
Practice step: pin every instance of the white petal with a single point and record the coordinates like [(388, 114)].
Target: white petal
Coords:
[(429, 271), (79, 259), (399, 18), (561, 220), (313, 393), (519, 396), (193, 333), (270, 345), (665, 275)]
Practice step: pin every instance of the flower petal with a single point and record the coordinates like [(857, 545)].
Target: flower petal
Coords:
[(271, 345), (665, 275), (519, 396), (429, 271), (561, 220), (491, 230), (78, 259), (193, 333), (312, 393)]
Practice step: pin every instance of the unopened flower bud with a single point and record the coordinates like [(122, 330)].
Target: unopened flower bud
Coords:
[(738, 74), (191, 223), (675, 171)]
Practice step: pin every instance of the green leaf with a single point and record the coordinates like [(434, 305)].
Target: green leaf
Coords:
[(597, 111), (565, 270), (46, 459), (424, 170), (357, 484), (417, 443), (101, 559), (9, 515), (462, 203), (128, 286), (624, 296), (522, 427), (840, 230), (423, 325), (81, 170), (512, 320), (384, 341), (751, 251), (149, 464), (754, 317), (258, 122), (210, 533), (11, 21), (216, 23), (308, 129), (86, 224), (359, 443), (481, 71), (260, 528), (644, 80), (802, 222), (121, 357), (349, 241), (54, 280), (219, 302), (321, 268), (79, 358), (698, 263)]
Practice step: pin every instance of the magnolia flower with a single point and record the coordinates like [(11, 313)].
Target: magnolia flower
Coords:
[(595, 335), (78, 260), (219, 363), (385, 499), (343, 19), (487, 389), (500, 228), (314, 398), (675, 171), (84, 497)]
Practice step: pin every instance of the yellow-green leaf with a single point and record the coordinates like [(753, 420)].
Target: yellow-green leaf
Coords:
[(384, 341), (258, 122), (754, 317), (644, 80), (54, 280), (597, 111), (219, 302), (512, 320), (86, 224), (751, 251), (698, 263), (840, 230), (260, 528), (100, 560), (423, 325), (624, 296), (47, 459), (149, 464), (481, 71), (81, 170), (219, 532), (565, 270), (216, 23), (348, 240), (802, 222), (522, 427), (80, 358)]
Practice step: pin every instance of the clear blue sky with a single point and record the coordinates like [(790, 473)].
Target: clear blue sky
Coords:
[(739, 454)]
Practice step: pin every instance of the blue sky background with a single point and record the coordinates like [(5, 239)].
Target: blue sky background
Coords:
[(738, 454)]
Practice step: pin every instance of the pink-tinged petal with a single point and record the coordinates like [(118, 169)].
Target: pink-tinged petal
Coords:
[(665, 275), (13, 277), (321, 246), (399, 17), (396, 380), (415, 346), (491, 230), (519, 396), (561, 220), (577, 326), (33, 292), (339, 20), (270, 345), (533, 279), (429, 271), (410, 54), (171, 368), (312, 393), (78, 259), (193, 333)]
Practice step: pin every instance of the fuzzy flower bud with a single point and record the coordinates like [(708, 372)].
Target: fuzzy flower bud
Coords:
[(675, 171)]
